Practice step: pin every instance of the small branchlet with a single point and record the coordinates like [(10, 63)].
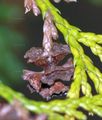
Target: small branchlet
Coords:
[(50, 33), (31, 5)]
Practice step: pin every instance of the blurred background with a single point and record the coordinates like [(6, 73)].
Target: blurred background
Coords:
[(19, 32)]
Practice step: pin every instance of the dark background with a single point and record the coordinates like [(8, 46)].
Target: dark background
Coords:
[(19, 32)]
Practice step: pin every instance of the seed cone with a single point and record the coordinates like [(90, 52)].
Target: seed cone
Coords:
[(51, 80)]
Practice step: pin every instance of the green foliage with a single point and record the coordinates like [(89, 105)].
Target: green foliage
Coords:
[(82, 62), (68, 109), (59, 109)]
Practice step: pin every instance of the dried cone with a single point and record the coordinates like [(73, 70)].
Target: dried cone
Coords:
[(51, 80), (51, 73)]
